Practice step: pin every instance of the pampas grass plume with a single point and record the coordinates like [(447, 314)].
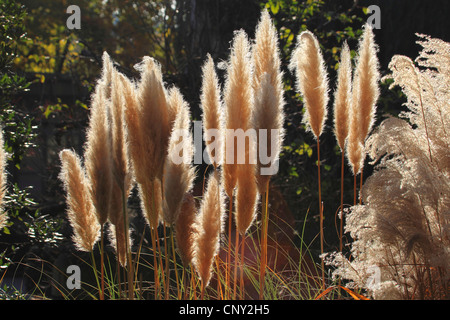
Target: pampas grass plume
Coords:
[(238, 99), (365, 86), (179, 174), (148, 130), (268, 115), (121, 166), (116, 230), (342, 97), (80, 207), (246, 198), (185, 231), (154, 122), (365, 93), (98, 158), (106, 76), (266, 57), (212, 111), (268, 111), (312, 82), (150, 193), (209, 225)]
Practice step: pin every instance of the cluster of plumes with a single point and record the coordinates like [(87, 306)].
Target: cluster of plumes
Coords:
[(3, 215), (139, 131), (401, 233), (95, 188), (253, 97), (252, 100), (364, 97), (129, 143), (354, 98)]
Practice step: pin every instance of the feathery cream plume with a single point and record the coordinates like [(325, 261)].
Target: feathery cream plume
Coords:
[(106, 76), (121, 166), (80, 207), (184, 229), (150, 193), (268, 118), (148, 129), (365, 86), (97, 155), (175, 101), (268, 112), (209, 225), (134, 132), (239, 100), (154, 121), (116, 229), (268, 115), (342, 97), (212, 111), (365, 94), (355, 154), (179, 174), (246, 198), (122, 182), (266, 57), (312, 83)]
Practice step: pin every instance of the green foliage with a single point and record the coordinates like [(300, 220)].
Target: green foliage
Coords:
[(26, 226), (17, 126), (11, 293)]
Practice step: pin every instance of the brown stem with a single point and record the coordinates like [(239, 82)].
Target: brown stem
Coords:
[(155, 264), (228, 270), (320, 211), (174, 257), (166, 255), (102, 263), (236, 259), (118, 265), (360, 185), (130, 271), (341, 235), (342, 204), (241, 284), (264, 235)]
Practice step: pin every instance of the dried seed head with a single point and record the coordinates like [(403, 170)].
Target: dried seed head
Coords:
[(312, 83), (184, 229), (212, 112), (342, 97), (209, 225), (80, 207), (179, 174), (98, 156), (239, 100)]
